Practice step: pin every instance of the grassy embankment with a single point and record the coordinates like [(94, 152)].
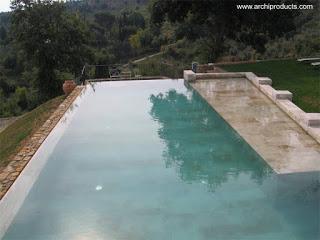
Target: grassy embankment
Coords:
[(14, 136), (302, 79)]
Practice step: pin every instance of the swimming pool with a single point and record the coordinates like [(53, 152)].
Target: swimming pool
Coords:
[(152, 160)]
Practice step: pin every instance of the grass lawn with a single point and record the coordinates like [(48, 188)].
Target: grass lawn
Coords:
[(301, 79), (13, 137)]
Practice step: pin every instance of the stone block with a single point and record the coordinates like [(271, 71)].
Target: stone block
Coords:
[(264, 80), (250, 76), (292, 110), (282, 95), (189, 75), (257, 81), (267, 90), (312, 119)]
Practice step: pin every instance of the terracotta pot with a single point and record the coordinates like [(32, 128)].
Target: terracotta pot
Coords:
[(68, 86)]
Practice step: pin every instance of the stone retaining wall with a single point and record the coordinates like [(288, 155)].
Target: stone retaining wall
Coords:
[(204, 68), (9, 174)]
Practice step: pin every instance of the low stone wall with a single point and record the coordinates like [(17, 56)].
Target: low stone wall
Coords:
[(219, 75), (9, 174), (205, 68), (310, 122)]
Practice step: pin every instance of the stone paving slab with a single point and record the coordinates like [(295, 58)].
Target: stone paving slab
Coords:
[(10, 173), (284, 145)]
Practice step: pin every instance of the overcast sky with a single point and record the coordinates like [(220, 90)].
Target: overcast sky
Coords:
[(4, 5)]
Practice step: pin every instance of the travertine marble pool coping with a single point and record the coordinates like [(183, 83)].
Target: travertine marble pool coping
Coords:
[(260, 120), (310, 122), (9, 174)]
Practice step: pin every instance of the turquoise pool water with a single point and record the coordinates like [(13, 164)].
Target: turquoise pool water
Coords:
[(150, 160)]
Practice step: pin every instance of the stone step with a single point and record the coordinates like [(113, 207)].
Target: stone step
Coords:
[(312, 119), (282, 95)]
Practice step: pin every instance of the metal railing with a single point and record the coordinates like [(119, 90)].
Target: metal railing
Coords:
[(129, 71), (103, 71)]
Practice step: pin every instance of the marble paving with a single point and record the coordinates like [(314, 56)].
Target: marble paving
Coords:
[(284, 145)]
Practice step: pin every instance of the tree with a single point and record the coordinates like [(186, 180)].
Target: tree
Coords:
[(214, 21), (208, 164), (105, 19), (102, 28), (3, 33), (51, 38)]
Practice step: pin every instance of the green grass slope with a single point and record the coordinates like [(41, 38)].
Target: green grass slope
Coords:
[(302, 79), (13, 137)]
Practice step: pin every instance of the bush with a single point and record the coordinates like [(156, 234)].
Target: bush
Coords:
[(21, 100), (10, 62), (6, 88), (20, 95), (29, 77)]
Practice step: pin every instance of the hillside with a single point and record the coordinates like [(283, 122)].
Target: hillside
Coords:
[(105, 28), (115, 32)]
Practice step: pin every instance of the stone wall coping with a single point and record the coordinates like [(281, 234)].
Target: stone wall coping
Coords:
[(11, 172), (189, 75)]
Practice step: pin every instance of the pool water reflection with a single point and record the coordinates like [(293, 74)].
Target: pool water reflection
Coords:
[(152, 160)]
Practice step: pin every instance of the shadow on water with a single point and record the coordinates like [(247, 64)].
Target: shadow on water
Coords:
[(200, 144), (297, 197)]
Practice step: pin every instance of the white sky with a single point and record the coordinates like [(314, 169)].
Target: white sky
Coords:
[(4, 5)]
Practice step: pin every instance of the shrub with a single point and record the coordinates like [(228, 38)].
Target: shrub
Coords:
[(6, 88), (21, 98)]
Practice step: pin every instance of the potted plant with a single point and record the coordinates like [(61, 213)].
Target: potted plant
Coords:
[(68, 86)]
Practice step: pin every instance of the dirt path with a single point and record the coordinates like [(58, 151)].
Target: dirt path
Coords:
[(149, 56), (5, 122), (152, 55)]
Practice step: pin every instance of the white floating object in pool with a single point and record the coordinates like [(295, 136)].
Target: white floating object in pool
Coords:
[(203, 182), (98, 188)]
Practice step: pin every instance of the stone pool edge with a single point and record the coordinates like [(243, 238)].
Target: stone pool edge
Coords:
[(309, 122), (22, 158)]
